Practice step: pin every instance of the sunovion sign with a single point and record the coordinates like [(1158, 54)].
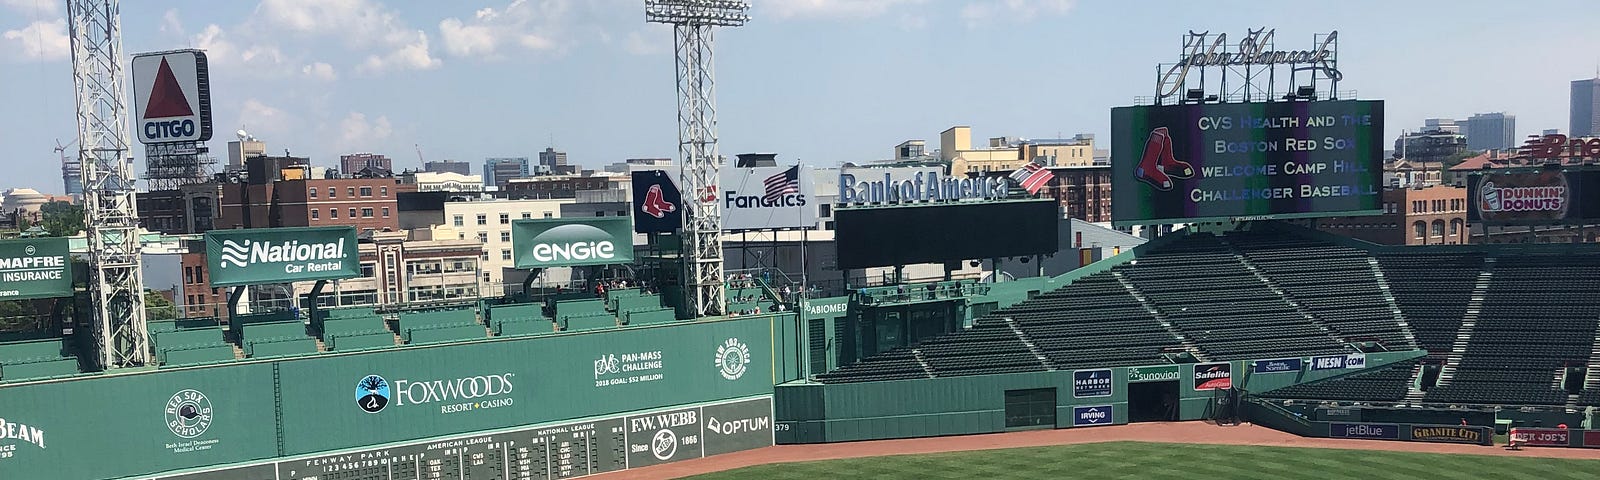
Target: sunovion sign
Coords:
[(278, 255), (561, 242), (35, 268), (906, 185)]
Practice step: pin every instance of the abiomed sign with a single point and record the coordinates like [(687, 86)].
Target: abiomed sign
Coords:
[(277, 255), (564, 242), (35, 268)]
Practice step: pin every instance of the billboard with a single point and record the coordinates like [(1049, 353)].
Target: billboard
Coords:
[(1091, 415), (1091, 383), (566, 242), (1541, 437), (1213, 376), (1548, 195), (171, 97), (1198, 162), (35, 268), (867, 185), (1277, 365), (1376, 431), (1450, 434), (767, 198), (278, 255), (948, 232), (657, 202)]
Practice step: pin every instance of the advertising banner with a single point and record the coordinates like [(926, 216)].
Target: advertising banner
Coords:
[(1375, 431), (946, 232), (277, 255), (1541, 437), (1330, 362), (1213, 376), (171, 97), (1591, 438), (35, 268), (1091, 416), (1278, 365), (768, 198), (565, 242), (1449, 434), (1160, 373), (1177, 163), (657, 202), (1533, 196), (867, 185), (1091, 383)]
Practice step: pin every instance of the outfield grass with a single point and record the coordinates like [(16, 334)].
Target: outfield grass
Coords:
[(1175, 461)]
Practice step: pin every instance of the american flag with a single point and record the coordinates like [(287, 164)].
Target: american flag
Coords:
[(1032, 177), (783, 184)]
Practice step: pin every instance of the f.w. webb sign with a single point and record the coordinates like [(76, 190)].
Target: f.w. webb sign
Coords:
[(276, 255), (564, 242)]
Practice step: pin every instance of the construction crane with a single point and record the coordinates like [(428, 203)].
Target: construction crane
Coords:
[(116, 284), (692, 21)]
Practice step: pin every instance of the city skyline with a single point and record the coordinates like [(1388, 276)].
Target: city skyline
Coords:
[(510, 78)]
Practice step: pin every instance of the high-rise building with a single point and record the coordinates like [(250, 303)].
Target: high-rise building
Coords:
[(447, 166), (1490, 131), (240, 150), (498, 171), (1440, 125), (72, 175), (1585, 108), (356, 162), (552, 162)]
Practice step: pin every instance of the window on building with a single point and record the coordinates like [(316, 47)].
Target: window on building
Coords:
[(383, 191), (367, 269), (1455, 227), (622, 213), (366, 191), (312, 191), (484, 256), (1420, 229), (486, 276), (505, 254), (483, 237), (505, 235), (483, 219), (385, 212), (352, 213), (1438, 228), (333, 213), (548, 215), (505, 218), (826, 210), (461, 235), (527, 215), (459, 221), (350, 191), (599, 213), (333, 192), (366, 212), (315, 214)]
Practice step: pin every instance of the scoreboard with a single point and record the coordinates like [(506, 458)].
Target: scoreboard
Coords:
[(540, 453)]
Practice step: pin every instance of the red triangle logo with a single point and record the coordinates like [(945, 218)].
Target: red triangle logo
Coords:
[(166, 96)]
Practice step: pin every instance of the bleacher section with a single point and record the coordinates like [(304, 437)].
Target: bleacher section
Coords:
[(1538, 316), (440, 325), (26, 359), (1433, 289), (355, 329), (1219, 305), (189, 341), (1335, 284), (1388, 384), (519, 319), (1093, 322)]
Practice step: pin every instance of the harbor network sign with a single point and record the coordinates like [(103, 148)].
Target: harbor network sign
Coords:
[(565, 242), (35, 268), (278, 255)]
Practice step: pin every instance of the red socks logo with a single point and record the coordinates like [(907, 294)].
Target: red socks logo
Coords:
[(1158, 167), (654, 205)]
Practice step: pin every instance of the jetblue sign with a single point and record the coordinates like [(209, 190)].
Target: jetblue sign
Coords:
[(1091, 416), (1091, 383), (1377, 431), (899, 185), (1279, 365)]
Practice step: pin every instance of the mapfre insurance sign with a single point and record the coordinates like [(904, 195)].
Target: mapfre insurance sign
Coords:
[(171, 97)]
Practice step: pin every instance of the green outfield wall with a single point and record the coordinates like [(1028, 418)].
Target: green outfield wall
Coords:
[(158, 421)]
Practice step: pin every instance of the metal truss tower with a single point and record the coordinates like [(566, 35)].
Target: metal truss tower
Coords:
[(115, 282), (692, 21)]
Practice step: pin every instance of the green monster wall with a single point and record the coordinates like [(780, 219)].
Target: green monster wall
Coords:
[(243, 412)]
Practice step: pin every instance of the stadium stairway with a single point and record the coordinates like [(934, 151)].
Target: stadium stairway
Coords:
[(1469, 319), (1166, 324)]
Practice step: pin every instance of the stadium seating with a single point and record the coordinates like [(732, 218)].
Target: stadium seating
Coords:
[(519, 319), (38, 358), (1388, 384), (1433, 289), (1334, 284), (188, 341), (440, 325)]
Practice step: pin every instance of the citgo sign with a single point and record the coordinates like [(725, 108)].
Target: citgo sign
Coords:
[(540, 243), (277, 255)]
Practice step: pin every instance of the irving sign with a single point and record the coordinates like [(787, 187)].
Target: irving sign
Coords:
[(278, 255), (566, 242)]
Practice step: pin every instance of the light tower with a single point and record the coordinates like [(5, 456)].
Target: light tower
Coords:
[(697, 140), (116, 287)]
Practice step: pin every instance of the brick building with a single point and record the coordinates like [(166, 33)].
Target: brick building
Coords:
[(561, 186), (1432, 215), (365, 203)]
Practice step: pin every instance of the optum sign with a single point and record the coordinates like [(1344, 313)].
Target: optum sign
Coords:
[(275, 255), (572, 241)]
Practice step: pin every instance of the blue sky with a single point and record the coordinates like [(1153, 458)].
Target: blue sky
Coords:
[(823, 81)]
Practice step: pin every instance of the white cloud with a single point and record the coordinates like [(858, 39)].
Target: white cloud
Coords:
[(840, 9), (170, 23), (44, 40), (412, 56), (986, 11), (357, 133), (33, 7), (534, 26), (223, 51), (367, 25), (265, 121), (320, 71)]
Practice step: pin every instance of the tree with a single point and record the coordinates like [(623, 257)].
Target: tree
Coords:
[(61, 219), (157, 307)]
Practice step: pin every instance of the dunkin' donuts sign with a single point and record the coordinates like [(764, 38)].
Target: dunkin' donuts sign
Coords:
[(1532, 196)]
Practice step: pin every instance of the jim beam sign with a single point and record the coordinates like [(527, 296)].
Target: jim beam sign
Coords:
[(1203, 50)]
